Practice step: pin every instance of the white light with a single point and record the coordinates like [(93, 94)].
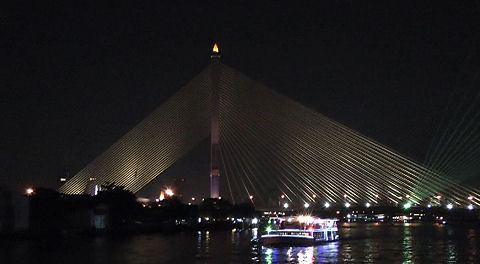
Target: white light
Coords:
[(470, 207), (285, 205), (429, 206), (169, 192), (306, 205), (449, 206), (199, 220), (367, 205), (193, 198), (63, 179), (29, 191), (327, 205), (348, 216), (251, 197), (314, 196), (254, 221), (283, 196), (470, 197), (347, 205)]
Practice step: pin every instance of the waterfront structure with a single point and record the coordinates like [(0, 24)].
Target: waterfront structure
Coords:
[(267, 145)]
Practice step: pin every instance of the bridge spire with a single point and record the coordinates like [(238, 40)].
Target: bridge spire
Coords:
[(214, 125), (215, 53)]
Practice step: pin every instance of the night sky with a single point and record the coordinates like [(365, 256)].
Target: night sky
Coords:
[(77, 76)]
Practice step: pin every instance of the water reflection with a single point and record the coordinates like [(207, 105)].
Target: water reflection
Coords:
[(323, 253), (407, 244), (203, 241), (359, 244)]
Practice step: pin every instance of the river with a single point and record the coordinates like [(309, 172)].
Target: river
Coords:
[(366, 243)]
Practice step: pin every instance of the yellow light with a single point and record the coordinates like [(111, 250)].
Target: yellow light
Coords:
[(215, 48)]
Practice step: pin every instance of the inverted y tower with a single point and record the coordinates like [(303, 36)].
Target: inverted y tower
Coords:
[(214, 126)]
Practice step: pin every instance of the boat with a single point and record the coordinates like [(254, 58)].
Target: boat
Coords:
[(299, 230)]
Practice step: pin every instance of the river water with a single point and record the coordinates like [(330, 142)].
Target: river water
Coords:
[(364, 243)]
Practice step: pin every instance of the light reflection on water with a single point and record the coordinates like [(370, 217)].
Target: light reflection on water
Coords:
[(312, 254), (359, 243), (386, 244)]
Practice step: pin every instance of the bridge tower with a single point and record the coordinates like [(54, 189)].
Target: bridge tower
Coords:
[(214, 125)]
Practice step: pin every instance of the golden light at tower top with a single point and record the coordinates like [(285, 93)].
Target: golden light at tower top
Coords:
[(215, 48)]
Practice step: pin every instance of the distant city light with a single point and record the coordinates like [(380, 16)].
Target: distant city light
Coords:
[(63, 179), (193, 198), (347, 205), (285, 205), (219, 197), (283, 196), (438, 197), (449, 206), (254, 221), (429, 206), (314, 196), (407, 205), (251, 197), (367, 205), (306, 205), (169, 192), (327, 205), (470, 198), (29, 191), (470, 207)]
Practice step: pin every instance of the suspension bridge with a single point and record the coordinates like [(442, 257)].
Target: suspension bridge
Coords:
[(264, 145)]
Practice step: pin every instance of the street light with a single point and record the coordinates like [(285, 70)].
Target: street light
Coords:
[(449, 206), (327, 205), (367, 205), (347, 204), (285, 205), (306, 205)]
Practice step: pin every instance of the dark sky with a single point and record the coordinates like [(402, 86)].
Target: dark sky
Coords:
[(76, 76)]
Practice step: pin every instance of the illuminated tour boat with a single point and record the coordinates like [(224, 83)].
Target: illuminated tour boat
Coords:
[(299, 230)]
